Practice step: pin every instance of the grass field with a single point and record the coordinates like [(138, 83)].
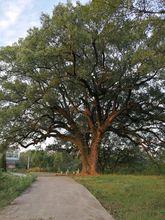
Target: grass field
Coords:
[(129, 197), (12, 186)]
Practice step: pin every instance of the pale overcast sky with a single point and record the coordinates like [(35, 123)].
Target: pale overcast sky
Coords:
[(17, 16)]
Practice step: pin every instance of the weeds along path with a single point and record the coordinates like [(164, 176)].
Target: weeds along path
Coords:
[(55, 198)]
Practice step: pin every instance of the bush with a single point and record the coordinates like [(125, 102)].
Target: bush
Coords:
[(11, 186)]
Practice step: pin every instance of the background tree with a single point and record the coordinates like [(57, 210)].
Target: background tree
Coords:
[(52, 161), (88, 70), (120, 155)]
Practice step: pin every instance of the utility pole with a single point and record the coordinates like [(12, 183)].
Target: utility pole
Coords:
[(28, 162)]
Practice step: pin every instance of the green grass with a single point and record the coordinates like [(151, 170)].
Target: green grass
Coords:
[(12, 186), (129, 197)]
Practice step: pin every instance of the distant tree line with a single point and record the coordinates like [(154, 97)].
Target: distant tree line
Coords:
[(124, 158), (40, 160)]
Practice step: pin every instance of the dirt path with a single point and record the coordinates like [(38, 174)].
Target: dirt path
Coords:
[(55, 198)]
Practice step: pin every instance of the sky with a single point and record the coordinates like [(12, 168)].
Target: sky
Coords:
[(17, 16)]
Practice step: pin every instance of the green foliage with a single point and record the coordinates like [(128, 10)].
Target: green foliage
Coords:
[(129, 197), (125, 157), (88, 69), (11, 186), (49, 161)]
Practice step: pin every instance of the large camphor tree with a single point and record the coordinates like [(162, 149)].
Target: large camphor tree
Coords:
[(88, 70)]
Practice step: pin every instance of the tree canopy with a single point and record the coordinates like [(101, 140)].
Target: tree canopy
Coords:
[(89, 69)]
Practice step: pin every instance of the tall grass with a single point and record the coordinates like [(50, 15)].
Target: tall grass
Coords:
[(129, 197), (12, 186)]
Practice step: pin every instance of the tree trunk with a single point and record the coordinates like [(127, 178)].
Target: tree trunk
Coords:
[(85, 161), (89, 155), (89, 162), (93, 160), (85, 166), (4, 162), (94, 154)]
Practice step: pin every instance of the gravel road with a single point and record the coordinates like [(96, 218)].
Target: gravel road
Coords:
[(55, 198)]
